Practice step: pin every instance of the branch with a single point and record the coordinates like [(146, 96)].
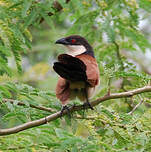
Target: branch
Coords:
[(120, 62), (118, 55), (131, 112), (31, 105), (57, 115)]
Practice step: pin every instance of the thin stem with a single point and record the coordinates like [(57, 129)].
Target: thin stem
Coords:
[(122, 68), (119, 56), (132, 111), (31, 105)]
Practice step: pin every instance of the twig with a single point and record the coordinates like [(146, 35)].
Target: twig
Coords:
[(131, 112), (118, 55), (109, 86), (31, 105), (120, 62), (122, 68), (57, 115)]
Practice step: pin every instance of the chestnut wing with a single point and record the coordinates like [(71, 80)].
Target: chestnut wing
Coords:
[(92, 70)]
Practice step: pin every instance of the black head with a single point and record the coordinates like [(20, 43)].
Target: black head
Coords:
[(76, 44), (74, 40)]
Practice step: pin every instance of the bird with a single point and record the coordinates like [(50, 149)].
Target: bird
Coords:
[(78, 71)]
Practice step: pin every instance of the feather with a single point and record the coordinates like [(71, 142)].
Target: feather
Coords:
[(92, 70), (70, 68)]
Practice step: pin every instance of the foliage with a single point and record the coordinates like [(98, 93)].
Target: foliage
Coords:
[(28, 30)]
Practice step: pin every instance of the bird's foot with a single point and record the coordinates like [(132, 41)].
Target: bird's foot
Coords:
[(65, 108), (87, 104)]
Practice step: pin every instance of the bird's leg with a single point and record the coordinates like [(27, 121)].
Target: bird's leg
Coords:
[(65, 108), (87, 103)]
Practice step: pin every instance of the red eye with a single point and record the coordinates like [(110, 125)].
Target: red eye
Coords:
[(73, 40)]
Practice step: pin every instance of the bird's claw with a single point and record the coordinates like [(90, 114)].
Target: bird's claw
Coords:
[(87, 104), (65, 108)]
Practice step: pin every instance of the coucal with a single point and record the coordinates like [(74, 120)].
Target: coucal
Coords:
[(78, 71)]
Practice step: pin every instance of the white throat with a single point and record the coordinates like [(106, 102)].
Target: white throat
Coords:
[(75, 49)]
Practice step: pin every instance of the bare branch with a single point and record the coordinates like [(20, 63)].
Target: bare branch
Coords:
[(57, 115), (131, 112), (31, 105)]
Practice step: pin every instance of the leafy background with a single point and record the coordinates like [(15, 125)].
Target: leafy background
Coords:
[(119, 31)]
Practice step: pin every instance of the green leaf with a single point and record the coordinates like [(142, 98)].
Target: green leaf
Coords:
[(30, 18), (62, 133), (9, 106), (26, 6), (5, 92)]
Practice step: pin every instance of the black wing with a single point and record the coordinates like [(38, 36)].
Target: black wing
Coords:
[(70, 68)]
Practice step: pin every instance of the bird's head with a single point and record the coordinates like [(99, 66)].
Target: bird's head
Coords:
[(75, 44)]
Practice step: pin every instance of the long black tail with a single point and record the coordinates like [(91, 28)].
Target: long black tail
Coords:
[(70, 68)]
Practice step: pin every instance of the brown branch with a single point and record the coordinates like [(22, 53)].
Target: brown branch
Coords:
[(31, 105), (57, 115)]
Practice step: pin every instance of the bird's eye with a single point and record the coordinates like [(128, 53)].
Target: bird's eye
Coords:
[(73, 40)]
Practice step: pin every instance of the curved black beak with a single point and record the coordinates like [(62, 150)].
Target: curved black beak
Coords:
[(61, 41)]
